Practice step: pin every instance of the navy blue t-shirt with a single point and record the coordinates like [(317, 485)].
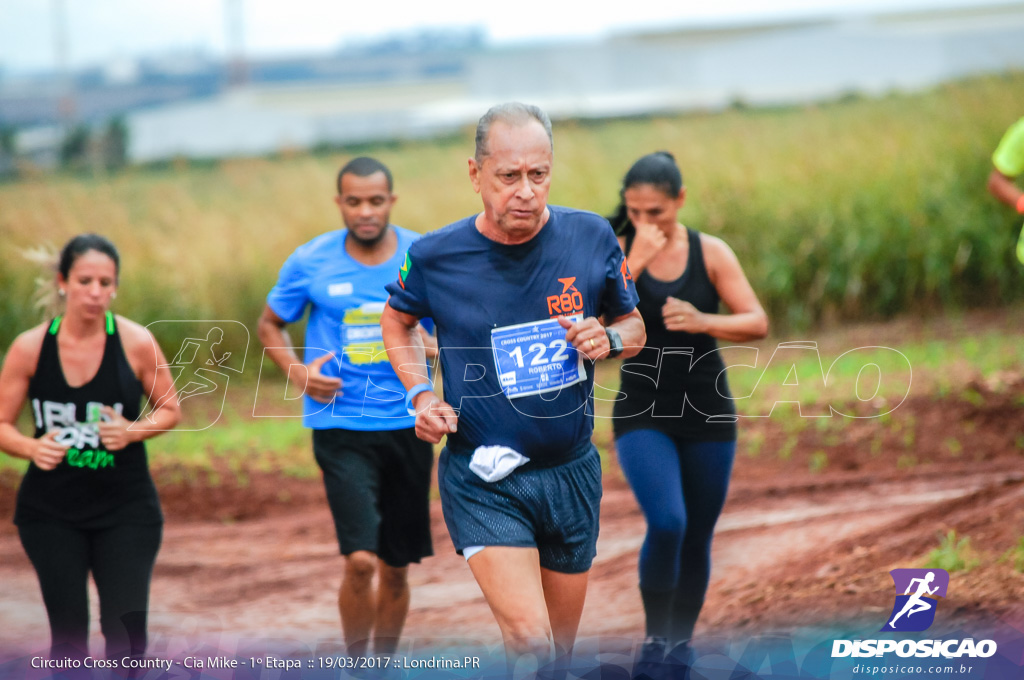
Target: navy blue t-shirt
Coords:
[(470, 285)]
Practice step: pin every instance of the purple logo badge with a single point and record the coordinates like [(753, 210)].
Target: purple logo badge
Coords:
[(916, 593)]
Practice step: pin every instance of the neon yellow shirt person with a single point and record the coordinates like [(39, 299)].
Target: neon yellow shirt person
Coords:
[(1009, 155), (1008, 160)]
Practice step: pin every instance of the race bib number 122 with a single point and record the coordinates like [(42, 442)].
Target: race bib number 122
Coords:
[(532, 358)]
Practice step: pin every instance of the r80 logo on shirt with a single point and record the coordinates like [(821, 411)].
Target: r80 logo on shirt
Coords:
[(569, 301)]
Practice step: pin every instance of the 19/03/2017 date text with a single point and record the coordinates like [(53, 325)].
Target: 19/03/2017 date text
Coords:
[(359, 662), (355, 662)]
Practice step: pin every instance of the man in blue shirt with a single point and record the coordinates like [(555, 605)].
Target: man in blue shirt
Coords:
[(376, 471), (516, 293)]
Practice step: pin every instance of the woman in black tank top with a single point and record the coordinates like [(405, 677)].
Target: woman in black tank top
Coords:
[(87, 503), (675, 429)]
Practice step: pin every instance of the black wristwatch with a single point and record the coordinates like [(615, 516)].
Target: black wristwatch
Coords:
[(615, 340)]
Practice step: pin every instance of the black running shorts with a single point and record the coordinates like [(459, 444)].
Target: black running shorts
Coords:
[(378, 487)]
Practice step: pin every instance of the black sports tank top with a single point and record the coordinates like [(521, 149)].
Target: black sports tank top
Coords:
[(92, 487), (677, 384)]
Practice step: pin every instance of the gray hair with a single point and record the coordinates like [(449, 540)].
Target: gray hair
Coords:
[(510, 113)]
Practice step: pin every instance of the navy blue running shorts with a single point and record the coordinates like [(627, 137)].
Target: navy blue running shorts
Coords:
[(554, 509)]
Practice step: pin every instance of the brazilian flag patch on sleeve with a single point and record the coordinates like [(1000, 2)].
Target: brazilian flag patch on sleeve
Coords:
[(403, 272)]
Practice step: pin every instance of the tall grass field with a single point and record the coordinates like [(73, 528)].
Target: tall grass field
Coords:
[(848, 210)]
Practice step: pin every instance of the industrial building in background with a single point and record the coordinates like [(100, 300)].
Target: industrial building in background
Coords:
[(436, 81)]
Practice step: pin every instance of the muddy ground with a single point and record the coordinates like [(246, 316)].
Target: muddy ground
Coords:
[(800, 543)]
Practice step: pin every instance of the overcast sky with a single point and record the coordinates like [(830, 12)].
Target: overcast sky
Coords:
[(104, 31)]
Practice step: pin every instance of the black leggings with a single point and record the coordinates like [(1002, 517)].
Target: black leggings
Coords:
[(121, 560)]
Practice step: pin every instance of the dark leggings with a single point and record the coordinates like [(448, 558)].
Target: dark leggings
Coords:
[(121, 560), (681, 487)]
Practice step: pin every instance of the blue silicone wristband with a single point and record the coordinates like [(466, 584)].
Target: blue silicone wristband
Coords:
[(411, 394)]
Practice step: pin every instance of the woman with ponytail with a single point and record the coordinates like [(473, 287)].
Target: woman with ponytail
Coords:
[(675, 429), (87, 503)]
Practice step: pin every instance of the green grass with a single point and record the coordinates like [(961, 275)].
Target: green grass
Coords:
[(751, 443), (1016, 555), (935, 364), (16, 465), (916, 367), (236, 443), (953, 554), (848, 210), (905, 461), (239, 442), (788, 447), (818, 461), (852, 210)]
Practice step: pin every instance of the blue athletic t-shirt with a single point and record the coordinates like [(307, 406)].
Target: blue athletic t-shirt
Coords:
[(469, 285), (346, 299)]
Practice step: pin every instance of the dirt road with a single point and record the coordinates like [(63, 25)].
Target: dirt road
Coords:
[(793, 547)]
